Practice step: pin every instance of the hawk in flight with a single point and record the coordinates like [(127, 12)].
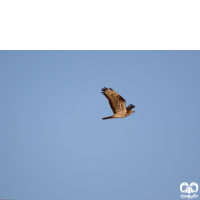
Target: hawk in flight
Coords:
[(117, 104)]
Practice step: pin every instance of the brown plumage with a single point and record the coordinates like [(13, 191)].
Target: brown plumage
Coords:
[(117, 104)]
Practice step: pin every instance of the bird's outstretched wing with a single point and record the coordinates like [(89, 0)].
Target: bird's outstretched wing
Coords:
[(129, 107), (117, 102)]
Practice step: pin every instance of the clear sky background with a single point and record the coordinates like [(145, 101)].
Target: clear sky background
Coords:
[(55, 145)]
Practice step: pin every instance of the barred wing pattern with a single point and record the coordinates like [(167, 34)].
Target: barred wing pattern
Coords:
[(117, 104)]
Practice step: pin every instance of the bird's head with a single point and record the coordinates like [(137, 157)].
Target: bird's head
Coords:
[(129, 112)]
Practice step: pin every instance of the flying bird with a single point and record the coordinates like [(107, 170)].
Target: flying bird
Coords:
[(117, 104)]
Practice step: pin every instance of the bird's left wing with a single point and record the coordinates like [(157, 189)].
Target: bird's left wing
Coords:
[(116, 101)]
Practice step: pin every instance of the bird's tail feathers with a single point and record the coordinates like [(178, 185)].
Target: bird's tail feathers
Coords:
[(108, 117)]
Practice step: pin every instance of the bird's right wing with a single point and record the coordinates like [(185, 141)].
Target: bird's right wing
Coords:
[(129, 107)]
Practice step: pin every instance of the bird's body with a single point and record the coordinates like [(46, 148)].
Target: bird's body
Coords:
[(117, 104)]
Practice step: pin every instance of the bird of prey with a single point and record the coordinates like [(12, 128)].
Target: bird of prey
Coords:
[(117, 104)]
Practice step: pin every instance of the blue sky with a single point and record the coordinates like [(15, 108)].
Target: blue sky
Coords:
[(54, 144)]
